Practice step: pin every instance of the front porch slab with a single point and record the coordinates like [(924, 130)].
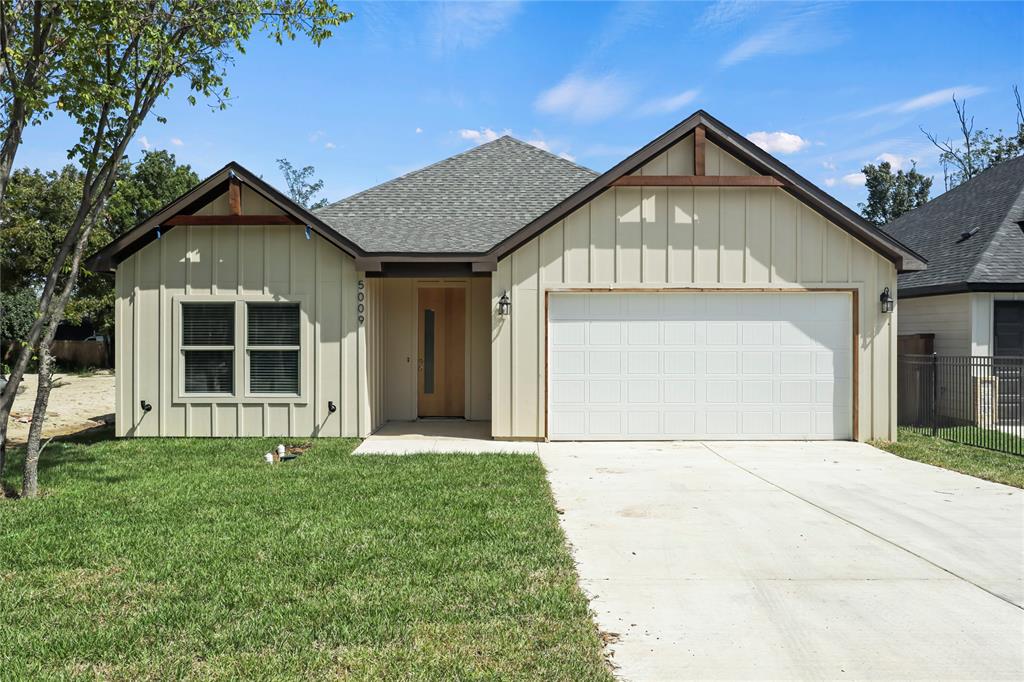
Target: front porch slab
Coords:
[(440, 436)]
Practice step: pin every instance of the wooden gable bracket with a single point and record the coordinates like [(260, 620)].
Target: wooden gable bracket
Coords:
[(234, 195), (699, 135)]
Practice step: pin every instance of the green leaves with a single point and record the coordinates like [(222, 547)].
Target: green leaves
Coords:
[(890, 195), (301, 187)]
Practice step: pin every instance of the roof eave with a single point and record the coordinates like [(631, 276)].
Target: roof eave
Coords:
[(107, 259)]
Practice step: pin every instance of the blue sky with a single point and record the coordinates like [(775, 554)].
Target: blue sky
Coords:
[(826, 87)]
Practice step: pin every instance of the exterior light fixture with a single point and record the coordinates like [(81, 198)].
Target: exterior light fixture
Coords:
[(504, 305), (888, 302)]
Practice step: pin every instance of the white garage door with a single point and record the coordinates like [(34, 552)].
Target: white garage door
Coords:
[(700, 365)]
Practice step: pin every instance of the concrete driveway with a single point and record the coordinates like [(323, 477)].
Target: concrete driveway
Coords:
[(793, 561)]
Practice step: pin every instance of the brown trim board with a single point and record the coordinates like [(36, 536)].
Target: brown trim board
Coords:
[(854, 341), (698, 181)]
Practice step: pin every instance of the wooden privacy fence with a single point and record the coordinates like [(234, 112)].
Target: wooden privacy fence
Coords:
[(975, 400), (81, 353)]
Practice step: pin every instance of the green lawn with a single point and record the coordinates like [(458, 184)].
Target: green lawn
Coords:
[(166, 559), (987, 464)]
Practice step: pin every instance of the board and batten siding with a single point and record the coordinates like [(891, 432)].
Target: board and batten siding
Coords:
[(678, 238), (340, 359)]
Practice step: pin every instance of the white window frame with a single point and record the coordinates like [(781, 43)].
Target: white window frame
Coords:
[(240, 350)]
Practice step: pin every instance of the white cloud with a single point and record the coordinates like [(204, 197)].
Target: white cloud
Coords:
[(176, 141), (933, 99), (317, 135), (799, 32), (854, 179), (928, 100), (329, 145), (828, 165), (480, 136), (419, 130), (456, 25), (779, 142), (144, 142), (895, 161), (585, 99), (567, 156), (668, 105), (725, 13), (830, 182), (539, 144)]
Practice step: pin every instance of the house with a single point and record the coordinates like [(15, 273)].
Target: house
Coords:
[(698, 289), (971, 297)]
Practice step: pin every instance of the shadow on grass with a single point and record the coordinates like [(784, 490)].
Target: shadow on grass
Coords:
[(59, 451)]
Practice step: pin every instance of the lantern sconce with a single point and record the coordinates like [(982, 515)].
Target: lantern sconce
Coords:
[(504, 305), (888, 302), (145, 406)]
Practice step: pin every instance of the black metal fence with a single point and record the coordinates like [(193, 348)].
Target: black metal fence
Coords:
[(975, 400)]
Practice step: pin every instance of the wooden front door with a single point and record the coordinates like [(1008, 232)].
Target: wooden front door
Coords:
[(442, 352)]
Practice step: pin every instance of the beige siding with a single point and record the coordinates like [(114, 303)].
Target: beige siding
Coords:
[(246, 261), (948, 317), (983, 319), (401, 352), (678, 238)]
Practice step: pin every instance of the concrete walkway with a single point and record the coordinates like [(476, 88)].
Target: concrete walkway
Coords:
[(793, 561), (439, 435)]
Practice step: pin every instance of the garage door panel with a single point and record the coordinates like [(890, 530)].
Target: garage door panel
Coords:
[(700, 365)]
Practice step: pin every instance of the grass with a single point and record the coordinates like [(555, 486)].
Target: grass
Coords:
[(987, 464), (163, 559)]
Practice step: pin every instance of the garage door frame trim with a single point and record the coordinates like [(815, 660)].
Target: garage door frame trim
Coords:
[(854, 293)]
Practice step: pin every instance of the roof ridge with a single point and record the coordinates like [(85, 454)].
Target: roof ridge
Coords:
[(471, 150), (548, 152), (416, 171)]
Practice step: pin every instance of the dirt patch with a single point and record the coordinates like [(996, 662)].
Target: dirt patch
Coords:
[(77, 404)]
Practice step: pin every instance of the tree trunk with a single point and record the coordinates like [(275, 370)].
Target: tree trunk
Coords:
[(30, 482)]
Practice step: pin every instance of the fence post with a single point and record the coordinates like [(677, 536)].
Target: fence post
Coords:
[(935, 393)]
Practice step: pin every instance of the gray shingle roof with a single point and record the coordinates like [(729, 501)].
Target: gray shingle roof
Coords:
[(992, 203), (464, 204)]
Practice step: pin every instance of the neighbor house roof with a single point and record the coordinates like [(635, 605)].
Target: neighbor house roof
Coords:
[(972, 236), (464, 204)]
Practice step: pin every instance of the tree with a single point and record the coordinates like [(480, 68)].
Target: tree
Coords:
[(977, 149), (139, 51), (40, 206), (17, 313), (890, 195), (300, 187), (34, 37)]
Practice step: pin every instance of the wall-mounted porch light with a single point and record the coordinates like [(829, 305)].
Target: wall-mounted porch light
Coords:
[(888, 302), (504, 305)]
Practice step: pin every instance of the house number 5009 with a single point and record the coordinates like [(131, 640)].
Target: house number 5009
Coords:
[(360, 297)]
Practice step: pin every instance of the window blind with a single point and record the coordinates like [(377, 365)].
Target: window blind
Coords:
[(273, 324), (274, 371), (209, 371), (208, 324)]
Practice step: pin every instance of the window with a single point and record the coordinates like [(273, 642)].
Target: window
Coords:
[(272, 342), (208, 347)]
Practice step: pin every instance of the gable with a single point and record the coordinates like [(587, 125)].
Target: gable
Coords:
[(231, 196), (716, 150)]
